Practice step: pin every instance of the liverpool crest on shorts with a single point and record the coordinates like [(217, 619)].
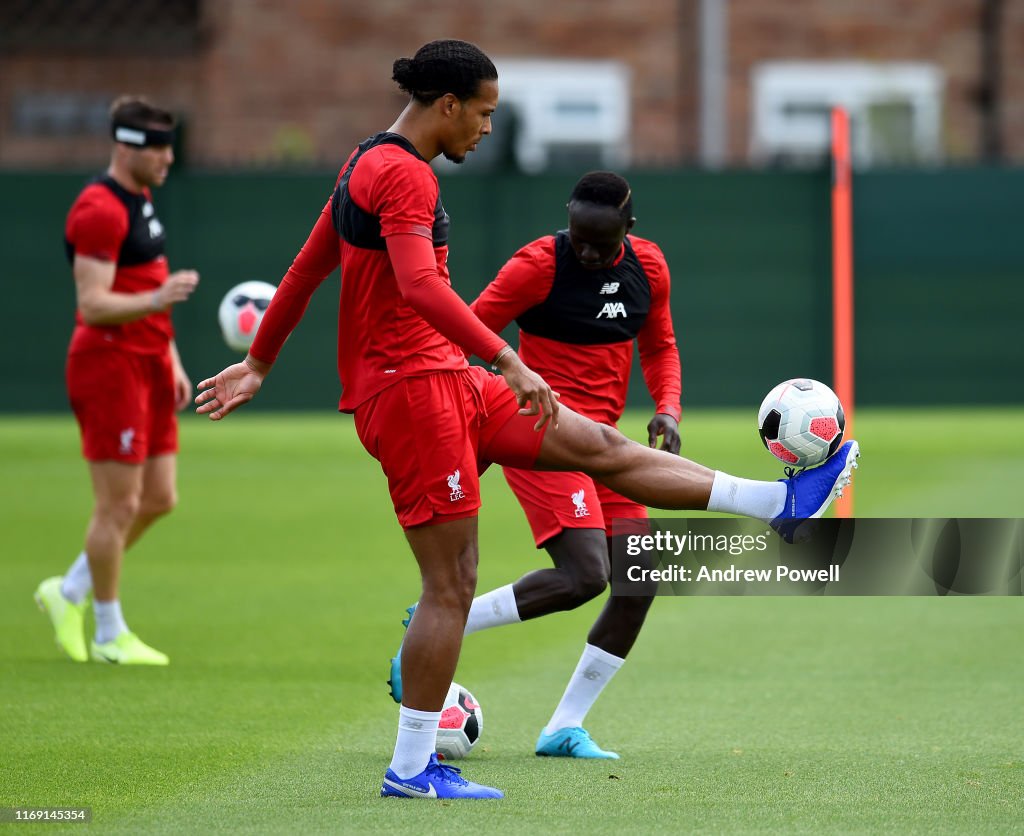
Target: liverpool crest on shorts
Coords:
[(453, 483)]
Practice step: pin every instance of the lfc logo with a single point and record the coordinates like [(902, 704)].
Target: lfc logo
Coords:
[(456, 491), (580, 503)]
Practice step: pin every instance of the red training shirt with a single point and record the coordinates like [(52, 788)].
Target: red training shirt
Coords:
[(398, 315), (109, 223), (585, 362)]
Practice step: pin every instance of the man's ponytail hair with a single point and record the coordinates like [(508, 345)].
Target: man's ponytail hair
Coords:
[(441, 67)]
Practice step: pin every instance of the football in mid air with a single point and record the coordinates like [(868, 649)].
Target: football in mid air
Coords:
[(801, 422), (462, 721), (241, 312)]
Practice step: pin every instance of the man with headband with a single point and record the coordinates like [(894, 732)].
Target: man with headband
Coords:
[(124, 377)]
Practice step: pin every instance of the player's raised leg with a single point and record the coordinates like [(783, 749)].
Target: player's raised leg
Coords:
[(660, 480)]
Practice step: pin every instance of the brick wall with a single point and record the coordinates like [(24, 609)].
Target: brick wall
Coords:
[(1012, 46), (305, 80), (943, 32)]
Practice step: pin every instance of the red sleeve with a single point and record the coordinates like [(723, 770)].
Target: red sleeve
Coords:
[(659, 354), (97, 225), (415, 265), (524, 281), (315, 261)]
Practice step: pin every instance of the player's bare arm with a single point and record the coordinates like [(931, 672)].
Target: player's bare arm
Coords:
[(99, 304), (238, 384), (182, 383)]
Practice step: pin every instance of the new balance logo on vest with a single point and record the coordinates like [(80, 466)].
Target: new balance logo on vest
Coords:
[(611, 310)]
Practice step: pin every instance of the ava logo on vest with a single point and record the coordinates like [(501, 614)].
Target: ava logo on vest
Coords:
[(612, 310)]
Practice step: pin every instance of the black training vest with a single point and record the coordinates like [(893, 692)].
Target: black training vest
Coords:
[(361, 228), (146, 237), (591, 307)]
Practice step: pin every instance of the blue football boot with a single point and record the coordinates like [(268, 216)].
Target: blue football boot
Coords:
[(811, 491), (574, 742), (438, 780), (395, 683)]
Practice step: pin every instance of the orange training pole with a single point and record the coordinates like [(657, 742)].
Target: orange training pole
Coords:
[(842, 280)]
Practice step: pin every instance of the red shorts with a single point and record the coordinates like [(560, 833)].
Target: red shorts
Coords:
[(124, 403), (434, 434), (555, 501)]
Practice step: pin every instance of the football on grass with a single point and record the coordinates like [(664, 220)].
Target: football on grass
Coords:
[(462, 721), (801, 422), (241, 312)]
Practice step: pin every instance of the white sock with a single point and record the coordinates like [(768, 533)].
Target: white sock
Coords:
[(417, 735), (760, 500), (492, 609), (77, 580), (595, 669), (109, 621)]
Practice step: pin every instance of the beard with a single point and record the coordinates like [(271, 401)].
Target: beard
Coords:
[(458, 159), (149, 177)]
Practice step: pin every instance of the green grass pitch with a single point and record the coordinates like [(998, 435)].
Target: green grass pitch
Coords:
[(278, 585)]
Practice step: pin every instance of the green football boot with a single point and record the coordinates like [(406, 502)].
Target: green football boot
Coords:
[(128, 649), (68, 619)]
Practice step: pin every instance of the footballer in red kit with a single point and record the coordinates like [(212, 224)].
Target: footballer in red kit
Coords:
[(578, 326), (124, 378), (120, 375)]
